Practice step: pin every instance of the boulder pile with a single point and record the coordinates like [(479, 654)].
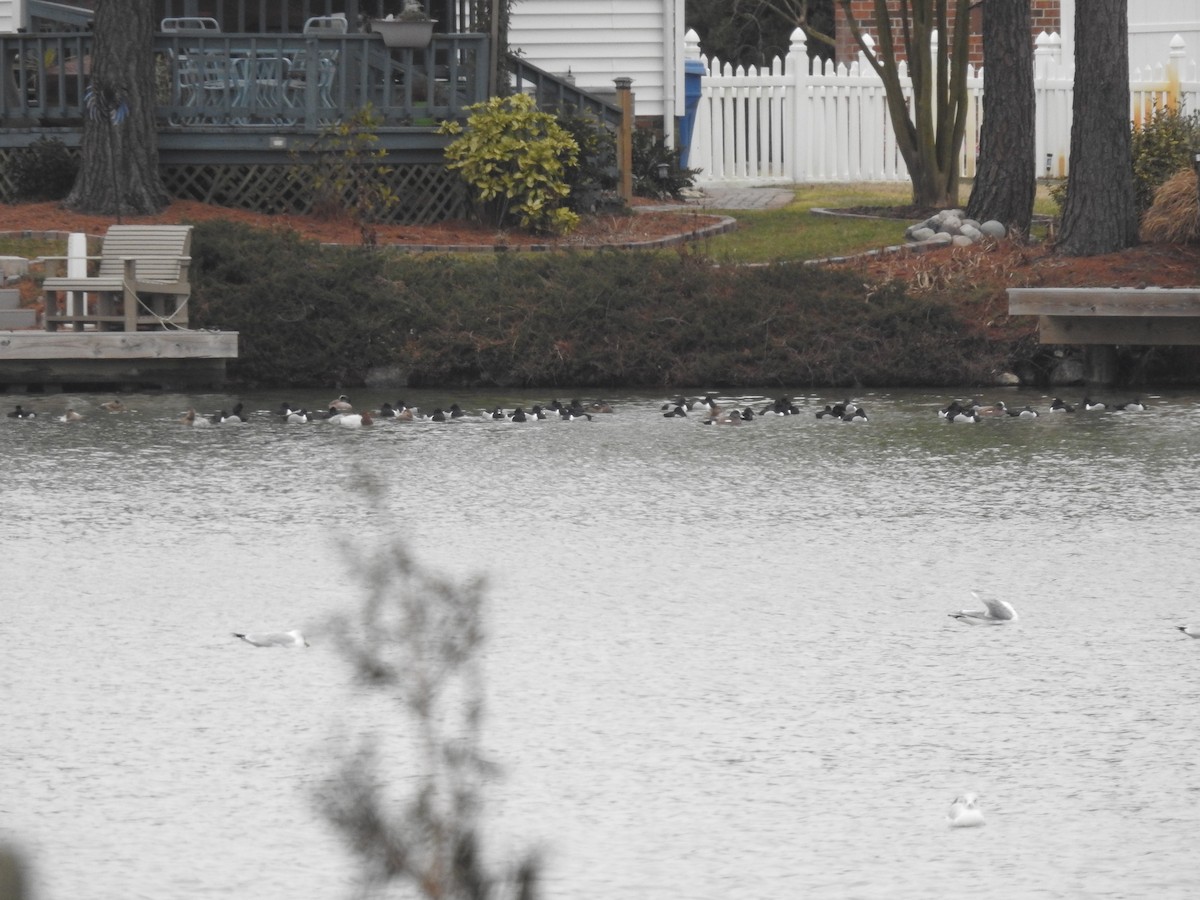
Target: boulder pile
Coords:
[(951, 226)]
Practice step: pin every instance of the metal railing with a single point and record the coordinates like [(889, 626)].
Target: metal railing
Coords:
[(242, 16), (286, 82)]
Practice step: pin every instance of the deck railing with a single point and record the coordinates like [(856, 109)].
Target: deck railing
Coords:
[(274, 17), (286, 82), (553, 93)]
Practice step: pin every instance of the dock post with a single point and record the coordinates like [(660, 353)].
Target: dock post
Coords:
[(77, 268), (1100, 364)]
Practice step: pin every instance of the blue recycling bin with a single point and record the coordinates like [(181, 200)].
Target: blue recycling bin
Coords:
[(693, 71)]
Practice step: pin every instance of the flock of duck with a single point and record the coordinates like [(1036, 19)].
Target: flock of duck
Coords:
[(964, 811), (957, 411), (707, 409), (712, 413), (341, 412), (972, 411), (70, 415)]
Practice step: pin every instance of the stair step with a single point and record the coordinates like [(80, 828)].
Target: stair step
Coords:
[(10, 298), (18, 318), (13, 267)]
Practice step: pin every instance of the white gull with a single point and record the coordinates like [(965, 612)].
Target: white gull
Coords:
[(274, 639), (995, 612), (964, 813)]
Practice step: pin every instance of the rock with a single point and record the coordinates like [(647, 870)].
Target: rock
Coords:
[(1007, 379), (951, 225), (940, 238)]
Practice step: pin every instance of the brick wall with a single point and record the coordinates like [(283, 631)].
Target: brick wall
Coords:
[(1044, 13)]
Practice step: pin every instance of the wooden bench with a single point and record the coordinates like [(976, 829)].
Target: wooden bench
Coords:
[(140, 282)]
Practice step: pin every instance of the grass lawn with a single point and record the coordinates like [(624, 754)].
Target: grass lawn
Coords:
[(15, 245), (795, 232)]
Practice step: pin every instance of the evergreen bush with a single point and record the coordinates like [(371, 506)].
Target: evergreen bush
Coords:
[(305, 314), (657, 170), (45, 170), (1160, 148), (323, 316), (593, 179)]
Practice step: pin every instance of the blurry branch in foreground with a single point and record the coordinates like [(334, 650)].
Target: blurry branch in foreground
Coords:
[(12, 875), (418, 637)]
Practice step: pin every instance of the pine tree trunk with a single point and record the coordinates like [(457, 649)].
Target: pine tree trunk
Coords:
[(1006, 181), (1100, 215), (118, 173)]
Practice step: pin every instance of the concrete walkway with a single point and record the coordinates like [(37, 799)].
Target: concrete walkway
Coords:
[(739, 197)]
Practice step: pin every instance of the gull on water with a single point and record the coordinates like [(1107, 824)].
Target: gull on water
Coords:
[(1190, 630), (964, 812), (274, 639), (995, 612)]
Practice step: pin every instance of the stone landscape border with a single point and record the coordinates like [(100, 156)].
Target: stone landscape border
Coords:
[(722, 225)]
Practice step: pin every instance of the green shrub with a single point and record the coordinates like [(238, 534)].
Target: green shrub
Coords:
[(657, 170), (593, 179), (349, 177), (1058, 194), (323, 316), (45, 170), (515, 160), (1160, 148), (306, 315)]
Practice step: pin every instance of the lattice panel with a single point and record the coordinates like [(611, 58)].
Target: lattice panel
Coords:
[(427, 193), (7, 188)]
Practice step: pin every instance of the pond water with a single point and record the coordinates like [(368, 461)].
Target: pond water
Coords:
[(719, 661)]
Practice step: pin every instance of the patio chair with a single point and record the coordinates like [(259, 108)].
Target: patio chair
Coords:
[(335, 24), (141, 280), (190, 25)]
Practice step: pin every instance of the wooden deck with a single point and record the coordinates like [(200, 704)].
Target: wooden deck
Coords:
[(265, 97), (1113, 316), (95, 360), (253, 93), (248, 94)]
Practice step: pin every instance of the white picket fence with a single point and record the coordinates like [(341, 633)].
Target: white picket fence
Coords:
[(797, 122)]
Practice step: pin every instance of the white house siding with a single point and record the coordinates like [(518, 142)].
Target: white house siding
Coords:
[(596, 41), (11, 16)]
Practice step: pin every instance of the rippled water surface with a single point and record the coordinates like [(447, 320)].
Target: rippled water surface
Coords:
[(719, 658)]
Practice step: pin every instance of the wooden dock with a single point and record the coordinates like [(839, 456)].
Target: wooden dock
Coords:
[(1101, 319), (1140, 316), (51, 361)]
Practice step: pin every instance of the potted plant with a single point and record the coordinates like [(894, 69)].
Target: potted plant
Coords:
[(412, 28)]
